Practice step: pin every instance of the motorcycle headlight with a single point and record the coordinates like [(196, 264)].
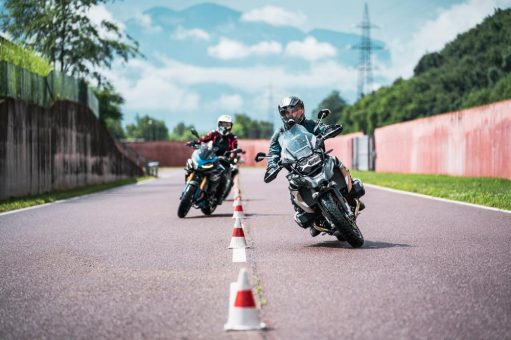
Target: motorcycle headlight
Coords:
[(208, 166), (308, 164)]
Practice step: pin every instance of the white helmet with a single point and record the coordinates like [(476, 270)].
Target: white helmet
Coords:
[(224, 123)]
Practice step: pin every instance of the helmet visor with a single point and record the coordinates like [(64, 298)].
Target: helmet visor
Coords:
[(291, 112), (225, 125)]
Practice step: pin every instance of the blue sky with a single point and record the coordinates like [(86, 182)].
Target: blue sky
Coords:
[(227, 56)]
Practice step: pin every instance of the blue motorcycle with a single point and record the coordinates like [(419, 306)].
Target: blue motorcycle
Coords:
[(208, 177)]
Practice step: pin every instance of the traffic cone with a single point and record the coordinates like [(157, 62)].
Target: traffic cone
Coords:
[(238, 211), (238, 236), (243, 314), (237, 200)]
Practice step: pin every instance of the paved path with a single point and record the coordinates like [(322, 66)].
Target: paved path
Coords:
[(120, 264)]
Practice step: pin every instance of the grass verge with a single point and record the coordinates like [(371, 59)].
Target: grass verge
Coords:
[(491, 192), (25, 202)]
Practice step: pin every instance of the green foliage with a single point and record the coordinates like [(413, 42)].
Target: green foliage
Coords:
[(245, 127), (147, 128), (114, 127), (493, 192), (181, 132), (336, 104), (62, 32), (472, 70), (23, 57), (25, 202)]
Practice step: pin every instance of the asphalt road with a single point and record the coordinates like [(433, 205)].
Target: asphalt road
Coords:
[(120, 264)]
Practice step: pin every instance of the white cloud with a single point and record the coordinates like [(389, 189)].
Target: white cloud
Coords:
[(228, 49), (227, 103), (146, 22), (195, 33), (97, 14), (275, 16), (434, 34), (310, 49)]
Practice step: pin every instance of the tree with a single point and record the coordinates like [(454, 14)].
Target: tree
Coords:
[(336, 104), (62, 32), (246, 127), (182, 132), (147, 128)]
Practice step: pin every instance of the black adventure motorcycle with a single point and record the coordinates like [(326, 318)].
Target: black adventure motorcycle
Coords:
[(204, 172), (319, 184)]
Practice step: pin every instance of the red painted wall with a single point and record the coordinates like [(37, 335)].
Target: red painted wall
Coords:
[(166, 152), (472, 142), (342, 146), (176, 153)]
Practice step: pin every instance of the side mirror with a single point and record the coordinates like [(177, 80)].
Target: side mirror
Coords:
[(260, 156), (194, 132), (323, 113)]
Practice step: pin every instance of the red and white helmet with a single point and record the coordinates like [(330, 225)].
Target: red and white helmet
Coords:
[(224, 123)]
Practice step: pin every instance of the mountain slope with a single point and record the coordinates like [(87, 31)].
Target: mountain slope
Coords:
[(474, 69)]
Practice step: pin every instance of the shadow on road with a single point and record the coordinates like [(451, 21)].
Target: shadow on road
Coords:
[(211, 216), (367, 245)]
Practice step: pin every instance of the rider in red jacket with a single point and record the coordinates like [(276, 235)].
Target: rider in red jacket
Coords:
[(222, 137), (225, 141)]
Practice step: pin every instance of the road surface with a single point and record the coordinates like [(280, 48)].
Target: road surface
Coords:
[(120, 264)]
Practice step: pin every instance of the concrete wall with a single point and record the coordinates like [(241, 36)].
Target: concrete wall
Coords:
[(56, 148), (472, 142)]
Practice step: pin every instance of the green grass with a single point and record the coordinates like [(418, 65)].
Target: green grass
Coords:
[(24, 58), (492, 192), (25, 202)]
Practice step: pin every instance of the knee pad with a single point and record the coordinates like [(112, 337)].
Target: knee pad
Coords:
[(357, 189)]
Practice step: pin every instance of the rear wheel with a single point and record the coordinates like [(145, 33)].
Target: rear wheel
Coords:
[(186, 201), (347, 228)]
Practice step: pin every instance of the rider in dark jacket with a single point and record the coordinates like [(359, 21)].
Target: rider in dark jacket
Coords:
[(291, 110)]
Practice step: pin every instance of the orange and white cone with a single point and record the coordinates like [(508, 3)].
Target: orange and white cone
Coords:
[(238, 211), (243, 314), (238, 236)]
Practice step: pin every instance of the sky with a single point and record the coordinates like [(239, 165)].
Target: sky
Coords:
[(197, 67)]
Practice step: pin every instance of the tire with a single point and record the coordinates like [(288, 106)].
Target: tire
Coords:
[(186, 201), (348, 229), (208, 210)]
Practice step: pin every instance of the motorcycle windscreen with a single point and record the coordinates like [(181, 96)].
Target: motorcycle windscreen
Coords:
[(206, 152), (297, 143)]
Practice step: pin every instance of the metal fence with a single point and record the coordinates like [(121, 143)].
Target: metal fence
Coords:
[(19, 83)]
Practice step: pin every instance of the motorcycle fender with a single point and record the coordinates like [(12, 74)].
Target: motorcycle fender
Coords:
[(298, 199)]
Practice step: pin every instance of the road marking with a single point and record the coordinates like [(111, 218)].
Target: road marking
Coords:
[(75, 197), (239, 255), (437, 198)]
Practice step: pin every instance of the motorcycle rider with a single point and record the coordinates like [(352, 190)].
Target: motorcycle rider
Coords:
[(291, 110), (225, 141)]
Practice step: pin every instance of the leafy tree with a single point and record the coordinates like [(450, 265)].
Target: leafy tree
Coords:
[(336, 104), (114, 127), (474, 69), (62, 32), (182, 132), (147, 128), (246, 127)]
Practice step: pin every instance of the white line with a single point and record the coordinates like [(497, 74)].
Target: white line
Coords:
[(437, 198), (239, 255), (73, 198)]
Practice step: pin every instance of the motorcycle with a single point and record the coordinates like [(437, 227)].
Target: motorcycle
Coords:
[(204, 173), (234, 159), (319, 184)]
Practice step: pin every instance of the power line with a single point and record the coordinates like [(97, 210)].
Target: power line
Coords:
[(366, 47)]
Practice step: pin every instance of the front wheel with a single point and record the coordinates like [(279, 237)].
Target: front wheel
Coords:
[(186, 201), (347, 228)]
